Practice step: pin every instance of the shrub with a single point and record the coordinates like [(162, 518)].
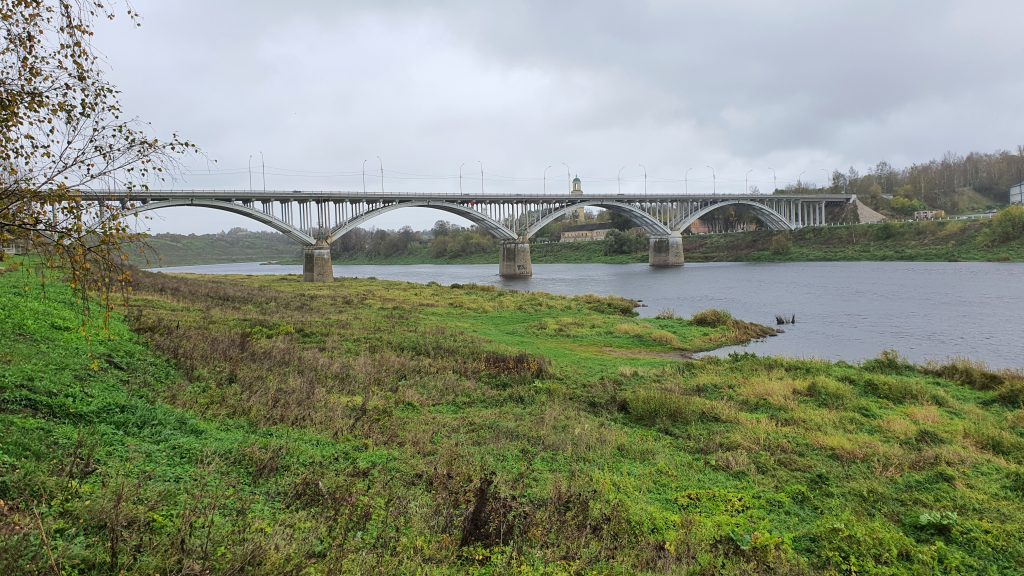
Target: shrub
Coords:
[(667, 314), (971, 374), (830, 393), (664, 407), (1011, 393), (781, 244), (1005, 227), (888, 362), (712, 318)]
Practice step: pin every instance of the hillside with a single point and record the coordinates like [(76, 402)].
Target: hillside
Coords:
[(236, 245), (262, 425)]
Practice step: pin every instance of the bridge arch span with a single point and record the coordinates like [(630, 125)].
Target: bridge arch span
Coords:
[(494, 228), (279, 225), (649, 223), (773, 219)]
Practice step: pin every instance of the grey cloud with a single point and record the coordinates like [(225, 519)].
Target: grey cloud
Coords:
[(799, 85)]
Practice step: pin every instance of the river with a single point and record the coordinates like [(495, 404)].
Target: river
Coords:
[(844, 310)]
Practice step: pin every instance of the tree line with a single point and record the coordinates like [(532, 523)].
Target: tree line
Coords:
[(955, 183)]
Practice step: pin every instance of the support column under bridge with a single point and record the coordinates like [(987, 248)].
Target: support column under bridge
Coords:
[(666, 251), (316, 263), (515, 260)]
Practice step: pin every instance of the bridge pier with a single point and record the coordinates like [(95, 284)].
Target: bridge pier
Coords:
[(515, 260), (666, 251), (316, 263)]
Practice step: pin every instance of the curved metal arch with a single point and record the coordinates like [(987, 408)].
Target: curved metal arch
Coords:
[(773, 219), (474, 216), (279, 225), (643, 219)]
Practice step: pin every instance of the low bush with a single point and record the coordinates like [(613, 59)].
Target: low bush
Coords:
[(712, 318)]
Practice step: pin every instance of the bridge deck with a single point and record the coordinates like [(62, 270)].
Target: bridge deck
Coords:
[(300, 195)]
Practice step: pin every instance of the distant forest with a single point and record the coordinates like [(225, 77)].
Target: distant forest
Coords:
[(956, 184)]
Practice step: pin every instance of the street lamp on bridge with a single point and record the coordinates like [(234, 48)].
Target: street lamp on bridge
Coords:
[(645, 178), (250, 173), (568, 175), (546, 179), (775, 184), (381, 174), (460, 177), (714, 180), (618, 178), (746, 181), (364, 176), (686, 180), (481, 176)]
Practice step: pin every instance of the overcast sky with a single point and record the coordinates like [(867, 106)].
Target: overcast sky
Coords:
[(801, 86)]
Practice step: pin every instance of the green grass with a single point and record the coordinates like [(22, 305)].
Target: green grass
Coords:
[(262, 425)]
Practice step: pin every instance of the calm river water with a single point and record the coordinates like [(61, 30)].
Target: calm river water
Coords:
[(844, 310)]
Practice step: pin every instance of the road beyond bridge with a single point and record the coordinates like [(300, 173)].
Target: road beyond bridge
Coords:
[(317, 219)]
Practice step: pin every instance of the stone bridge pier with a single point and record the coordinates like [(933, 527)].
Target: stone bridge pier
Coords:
[(666, 251), (316, 263), (515, 259)]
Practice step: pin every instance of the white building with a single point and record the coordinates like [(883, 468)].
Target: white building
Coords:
[(1017, 194)]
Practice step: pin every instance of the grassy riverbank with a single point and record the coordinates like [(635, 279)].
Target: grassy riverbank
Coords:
[(946, 241), (262, 425)]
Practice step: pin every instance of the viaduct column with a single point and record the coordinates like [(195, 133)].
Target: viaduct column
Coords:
[(316, 264), (666, 251), (515, 259)]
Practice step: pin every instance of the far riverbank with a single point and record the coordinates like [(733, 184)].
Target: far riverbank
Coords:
[(945, 241)]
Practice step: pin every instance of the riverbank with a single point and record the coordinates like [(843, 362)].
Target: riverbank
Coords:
[(263, 425), (943, 241)]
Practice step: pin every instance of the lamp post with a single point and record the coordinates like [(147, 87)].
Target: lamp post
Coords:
[(746, 181), (546, 179), (460, 177), (775, 185), (645, 178), (250, 173), (263, 166), (364, 176), (618, 178), (568, 175), (481, 176), (714, 180), (381, 174), (686, 180)]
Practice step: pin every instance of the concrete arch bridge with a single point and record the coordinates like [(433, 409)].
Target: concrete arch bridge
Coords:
[(317, 219)]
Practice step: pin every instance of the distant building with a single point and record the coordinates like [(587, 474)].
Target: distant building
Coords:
[(1017, 194), (586, 232), (579, 214), (929, 215)]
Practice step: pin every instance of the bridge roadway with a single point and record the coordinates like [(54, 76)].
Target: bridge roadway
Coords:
[(317, 219)]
